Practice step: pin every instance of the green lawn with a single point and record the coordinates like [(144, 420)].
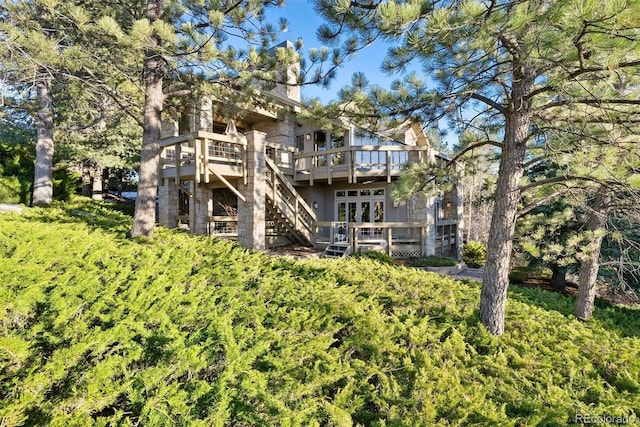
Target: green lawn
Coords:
[(101, 330)]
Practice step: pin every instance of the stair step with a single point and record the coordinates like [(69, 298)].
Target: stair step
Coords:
[(336, 251)]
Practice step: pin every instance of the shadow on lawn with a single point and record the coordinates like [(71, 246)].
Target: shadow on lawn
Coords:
[(96, 215), (623, 320)]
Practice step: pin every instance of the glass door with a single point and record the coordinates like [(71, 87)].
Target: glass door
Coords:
[(357, 207)]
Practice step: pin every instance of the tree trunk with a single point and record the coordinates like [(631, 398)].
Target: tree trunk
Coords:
[(96, 186), (105, 182), (559, 278), (588, 277), (145, 211), (493, 296), (470, 202), (43, 177), (86, 178)]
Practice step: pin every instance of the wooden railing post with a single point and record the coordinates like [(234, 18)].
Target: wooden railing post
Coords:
[(348, 162), (388, 165), (355, 239), (389, 240), (245, 160), (274, 187), (196, 159), (205, 161), (178, 161)]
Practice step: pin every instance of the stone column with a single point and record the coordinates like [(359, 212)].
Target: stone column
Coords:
[(203, 206), (168, 203), (422, 209), (205, 114), (251, 214)]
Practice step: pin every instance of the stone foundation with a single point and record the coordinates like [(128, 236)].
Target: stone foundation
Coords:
[(251, 214)]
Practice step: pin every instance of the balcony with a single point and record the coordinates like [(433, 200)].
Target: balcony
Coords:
[(355, 162), (192, 155)]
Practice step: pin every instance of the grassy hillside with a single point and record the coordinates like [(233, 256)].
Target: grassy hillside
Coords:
[(100, 330)]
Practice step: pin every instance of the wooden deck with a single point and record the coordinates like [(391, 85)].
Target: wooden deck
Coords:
[(356, 163), (204, 156)]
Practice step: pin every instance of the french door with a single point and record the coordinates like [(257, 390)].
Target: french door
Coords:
[(359, 206)]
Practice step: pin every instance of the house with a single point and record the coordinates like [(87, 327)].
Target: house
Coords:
[(268, 180)]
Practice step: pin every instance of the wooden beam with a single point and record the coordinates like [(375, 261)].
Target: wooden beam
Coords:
[(228, 184), (187, 192), (388, 155), (205, 153), (178, 156), (176, 140), (196, 156)]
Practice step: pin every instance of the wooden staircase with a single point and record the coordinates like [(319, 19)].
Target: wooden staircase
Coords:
[(290, 214), (337, 250)]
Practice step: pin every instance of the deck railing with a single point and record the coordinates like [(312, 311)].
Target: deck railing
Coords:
[(196, 151), (193, 153), (398, 239), (223, 226), (282, 156), (352, 162), (289, 202)]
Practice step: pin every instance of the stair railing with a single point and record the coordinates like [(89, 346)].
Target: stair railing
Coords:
[(285, 197)]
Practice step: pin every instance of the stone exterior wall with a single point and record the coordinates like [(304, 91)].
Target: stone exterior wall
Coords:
[(281, 131), (251, 213), (422, 209), (168, 203), (202, 207)]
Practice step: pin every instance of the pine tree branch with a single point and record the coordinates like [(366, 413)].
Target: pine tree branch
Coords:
[(474, 146), (490, 102), (577, 73), (543, 201), (94, 122), (565, 178), (596, 102)]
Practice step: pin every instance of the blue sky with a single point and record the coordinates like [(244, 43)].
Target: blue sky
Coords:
[(303, 23)]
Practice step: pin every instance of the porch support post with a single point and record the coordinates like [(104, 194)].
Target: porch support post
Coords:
[(422, 209), (168, 204), (251, 213), (203, 206)]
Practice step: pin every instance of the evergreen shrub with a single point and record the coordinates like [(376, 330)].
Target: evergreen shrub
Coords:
[(100, 330), (519, 275), (433, 261), (474, 254), (376, 256), (10, 189)]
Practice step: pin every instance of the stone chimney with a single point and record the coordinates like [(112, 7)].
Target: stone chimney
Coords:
[(289, 77)]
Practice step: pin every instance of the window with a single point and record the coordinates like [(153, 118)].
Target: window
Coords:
[(366, 205), (300, 143), (320, 144), (439, 210), (337, 141)]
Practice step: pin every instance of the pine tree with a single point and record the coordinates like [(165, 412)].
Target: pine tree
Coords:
[(517, 64), (44, 45), (180, 48)]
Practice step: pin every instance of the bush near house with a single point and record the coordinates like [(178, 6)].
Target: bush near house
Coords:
[(474, 254), (433, 261), (375, 256), (184, 330)]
